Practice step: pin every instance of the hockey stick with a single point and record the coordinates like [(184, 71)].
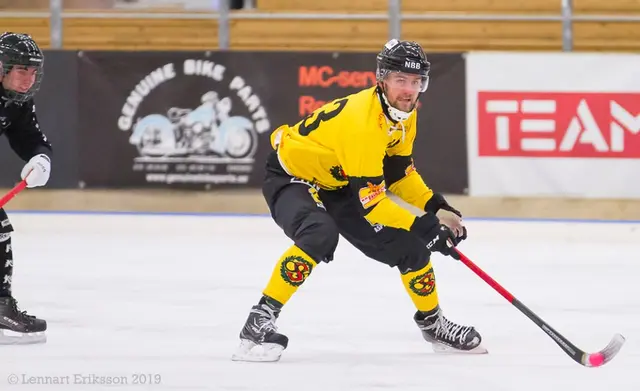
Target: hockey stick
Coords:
[(579, 356), (13, 192)]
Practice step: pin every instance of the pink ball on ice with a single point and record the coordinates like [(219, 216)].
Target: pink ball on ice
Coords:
[(596, 359)]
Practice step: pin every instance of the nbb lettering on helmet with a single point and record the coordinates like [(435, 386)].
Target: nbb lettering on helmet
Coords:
[(412, 65)]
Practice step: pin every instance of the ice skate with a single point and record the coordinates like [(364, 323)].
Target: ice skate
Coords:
[(448, 337), (17, 327), (259, 339)]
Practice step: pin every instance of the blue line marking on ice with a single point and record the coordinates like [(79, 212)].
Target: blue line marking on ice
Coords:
[(264, 215)]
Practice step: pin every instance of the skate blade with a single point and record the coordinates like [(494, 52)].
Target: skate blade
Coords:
[(444, 349), (252, 352), (9, 337)]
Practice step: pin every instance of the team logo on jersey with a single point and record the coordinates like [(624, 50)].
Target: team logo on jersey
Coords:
[(338, 173), (295, 270), (203, 127), (372, 194), (424, 284)]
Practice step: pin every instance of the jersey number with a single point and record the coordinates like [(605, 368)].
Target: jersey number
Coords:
[(323, 116)]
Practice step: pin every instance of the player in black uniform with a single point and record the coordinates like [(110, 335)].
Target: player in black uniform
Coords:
[(20, 75)]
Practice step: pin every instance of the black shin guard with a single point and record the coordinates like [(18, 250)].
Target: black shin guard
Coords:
[(6, 264), (6, 255)]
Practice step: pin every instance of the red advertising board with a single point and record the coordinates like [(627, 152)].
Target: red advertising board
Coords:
[(559, 124)]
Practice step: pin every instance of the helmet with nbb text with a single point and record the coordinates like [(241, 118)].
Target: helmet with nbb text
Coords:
[(405, 57)]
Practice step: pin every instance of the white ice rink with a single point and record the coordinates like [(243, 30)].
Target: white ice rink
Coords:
[(167, 295)]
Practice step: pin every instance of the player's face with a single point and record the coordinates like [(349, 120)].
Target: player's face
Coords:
[(20, 78), (402, 90)]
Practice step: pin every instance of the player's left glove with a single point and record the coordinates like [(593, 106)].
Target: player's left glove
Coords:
[(37, 171)]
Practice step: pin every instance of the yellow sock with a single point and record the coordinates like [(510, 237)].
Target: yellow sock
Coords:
[(421, 286), (292, 269)]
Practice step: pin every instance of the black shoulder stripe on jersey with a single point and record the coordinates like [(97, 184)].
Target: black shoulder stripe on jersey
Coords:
[(368, 190), (395, 168)]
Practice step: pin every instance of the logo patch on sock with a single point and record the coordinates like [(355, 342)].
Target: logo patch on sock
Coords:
[(295, 270), (423, 284)]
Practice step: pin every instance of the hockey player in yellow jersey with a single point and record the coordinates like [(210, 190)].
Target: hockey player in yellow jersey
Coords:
[(328, 176)]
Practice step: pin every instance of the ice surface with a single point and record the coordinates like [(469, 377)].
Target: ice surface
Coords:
[(167, 295)]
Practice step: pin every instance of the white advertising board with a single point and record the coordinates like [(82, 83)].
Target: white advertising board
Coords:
[(553, 124)]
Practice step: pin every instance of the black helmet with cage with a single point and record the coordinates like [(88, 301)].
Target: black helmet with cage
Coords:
[(406, 57), (20, 51)]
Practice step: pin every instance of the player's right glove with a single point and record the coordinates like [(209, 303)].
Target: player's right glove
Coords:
[(37, 171), (452, 217), (438, 237)]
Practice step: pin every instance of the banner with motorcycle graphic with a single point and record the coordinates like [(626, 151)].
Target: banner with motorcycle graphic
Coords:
[(203, 119), (182, 119)]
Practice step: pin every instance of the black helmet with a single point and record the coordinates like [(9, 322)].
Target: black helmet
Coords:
[(403, 56), (18, 50)]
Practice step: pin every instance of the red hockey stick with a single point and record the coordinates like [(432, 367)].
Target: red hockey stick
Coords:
[(579, 356), (12, 193)]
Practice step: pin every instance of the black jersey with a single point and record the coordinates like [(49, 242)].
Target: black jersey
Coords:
[(19, 123)]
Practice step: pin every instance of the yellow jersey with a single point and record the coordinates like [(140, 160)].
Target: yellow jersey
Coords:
[(351, 142)]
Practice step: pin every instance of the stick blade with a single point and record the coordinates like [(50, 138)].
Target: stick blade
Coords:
[(605, 355)]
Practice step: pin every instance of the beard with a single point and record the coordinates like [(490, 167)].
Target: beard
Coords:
[(405, 103)]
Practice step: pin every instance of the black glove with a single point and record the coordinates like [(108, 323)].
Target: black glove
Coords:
[(461, 237), (438, 237), (437, 202)]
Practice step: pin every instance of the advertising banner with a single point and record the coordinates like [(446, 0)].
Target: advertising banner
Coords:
[(175, 118), (553, 124), (203, 119)]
